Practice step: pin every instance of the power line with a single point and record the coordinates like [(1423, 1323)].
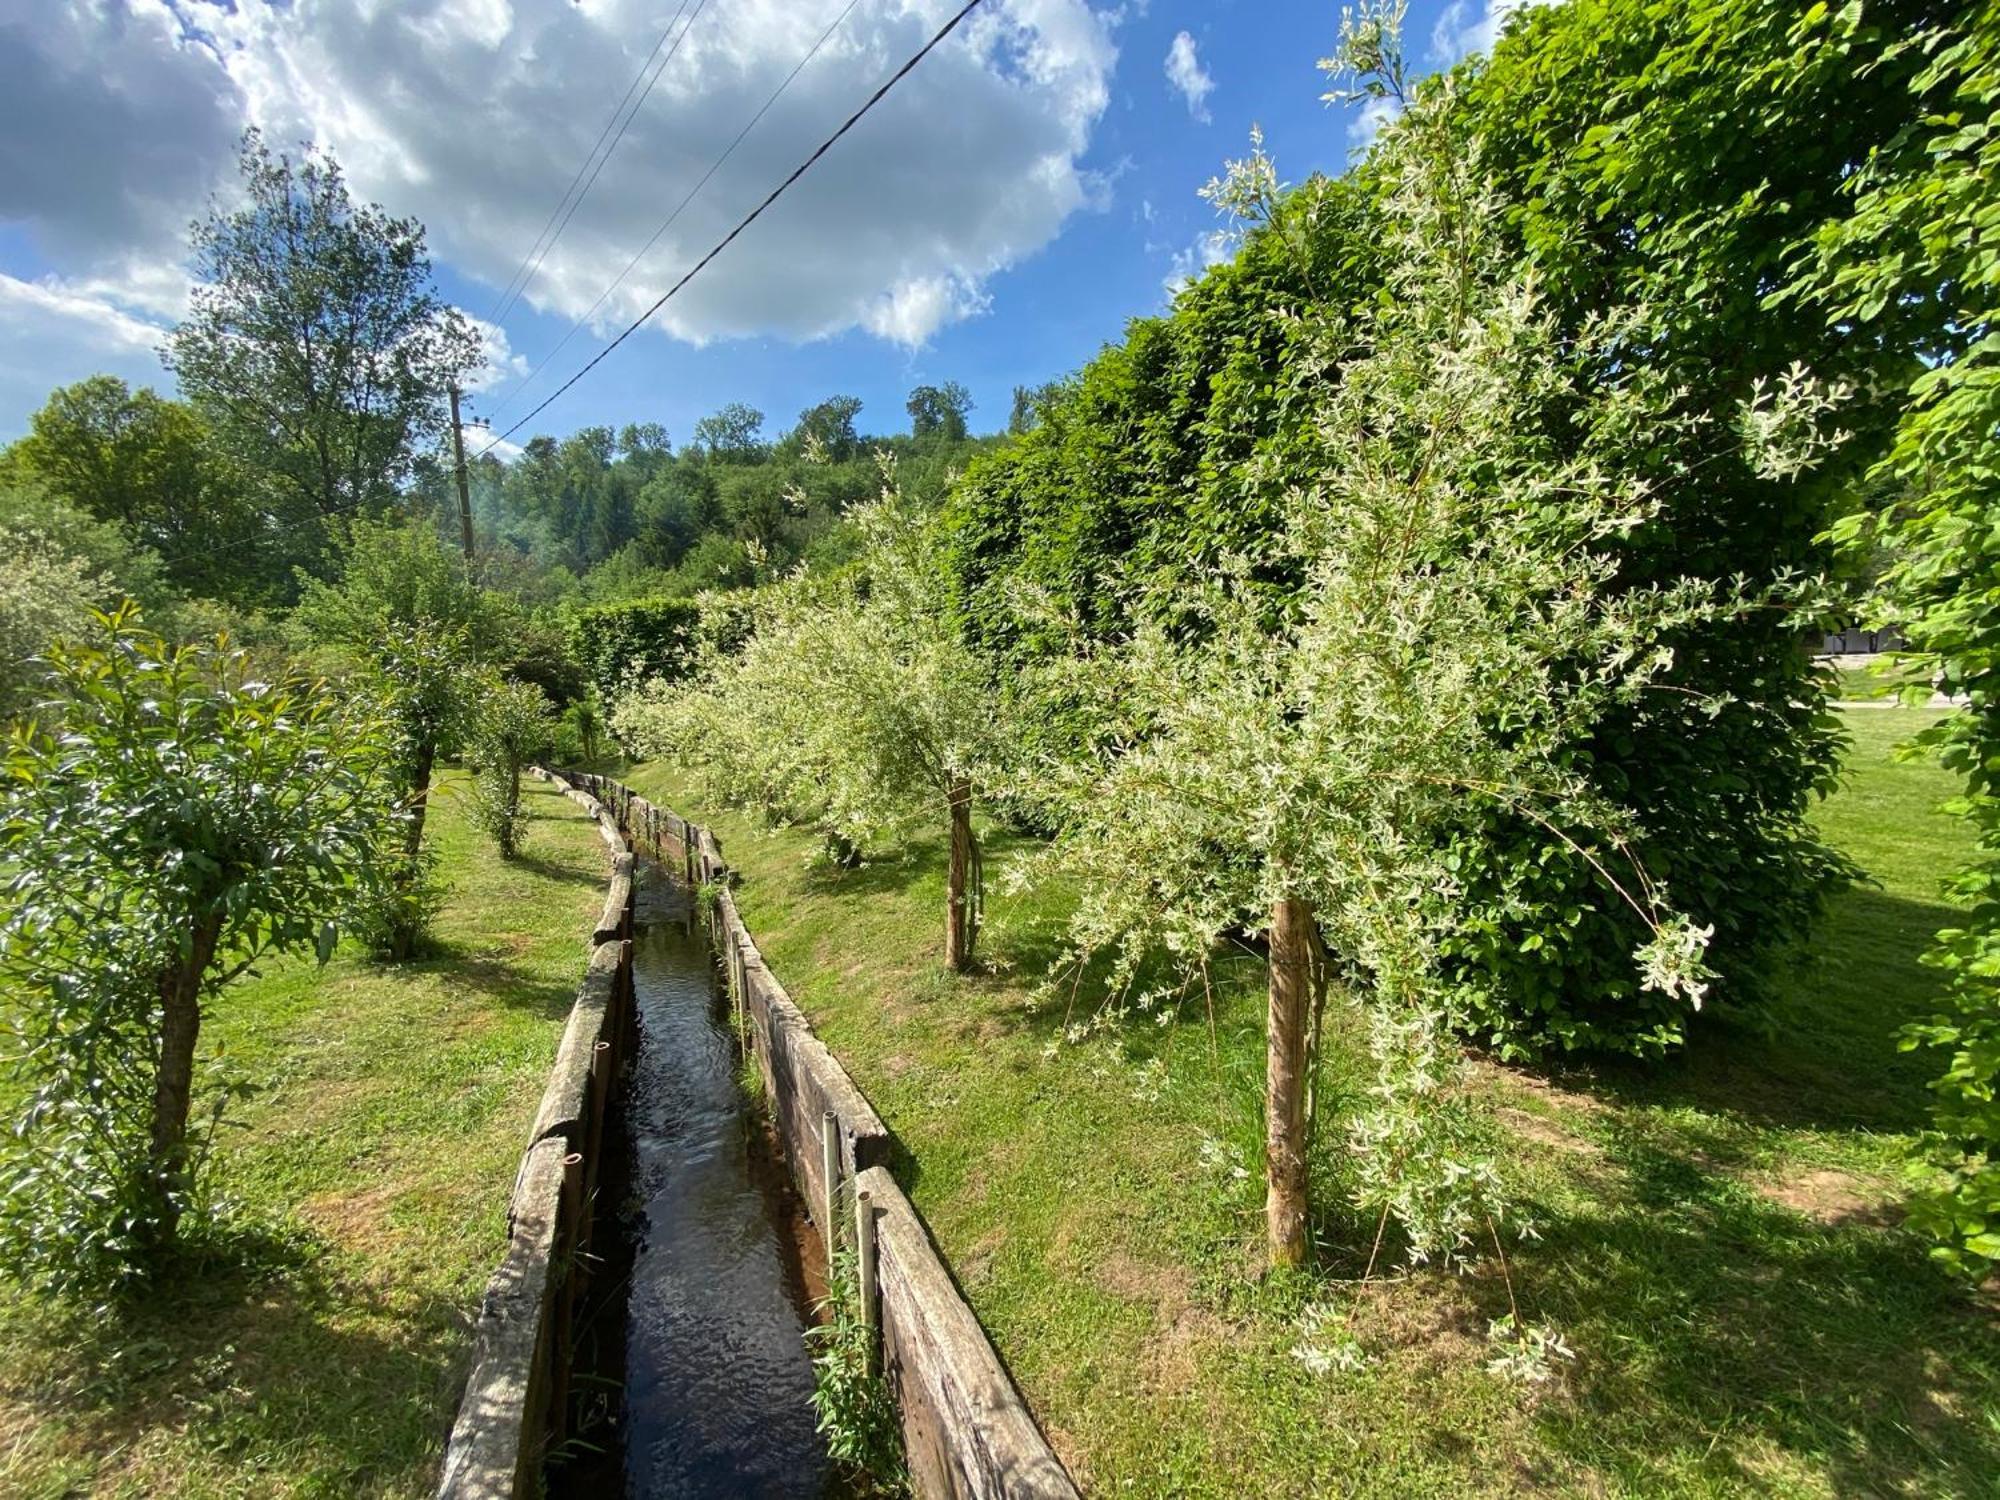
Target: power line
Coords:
[(524, 274), (668, 223), (852, 120), (776, 193)]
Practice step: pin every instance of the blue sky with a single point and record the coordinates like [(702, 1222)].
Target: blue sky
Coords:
[(994, 222)]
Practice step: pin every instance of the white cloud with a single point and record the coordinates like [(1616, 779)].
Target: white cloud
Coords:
[(973, 163), (1463, 28), (1188, 76), (909, 312), (1210, 249), (56, 333), (1369, 120), (482, 443), (118, 118), (498, 363), (114, 125)]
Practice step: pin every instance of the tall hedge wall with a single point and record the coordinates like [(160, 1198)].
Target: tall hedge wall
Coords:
[(623, 643), (1616, 134)]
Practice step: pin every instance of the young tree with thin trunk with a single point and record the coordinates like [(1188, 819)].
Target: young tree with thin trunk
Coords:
[(404, 619), (420, 678), (168, 820), (511, 723), (855, 705), (1297, 766)]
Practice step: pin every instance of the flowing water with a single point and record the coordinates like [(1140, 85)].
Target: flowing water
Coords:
[(717, 1382)]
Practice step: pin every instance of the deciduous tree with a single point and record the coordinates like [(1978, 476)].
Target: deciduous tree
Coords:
[(315, 344), (939, 411), (152, 467), (1451, 498), (172, 818), (854, 703), (512, 723)]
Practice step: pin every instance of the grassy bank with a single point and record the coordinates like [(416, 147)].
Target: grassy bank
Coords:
[(322, 1354), (1717, 1236)]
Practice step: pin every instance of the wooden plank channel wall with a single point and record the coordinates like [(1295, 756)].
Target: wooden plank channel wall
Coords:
[(517, 1393), (967, 1433)]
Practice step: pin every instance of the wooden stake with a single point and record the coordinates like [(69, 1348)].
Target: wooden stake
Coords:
[(958, 874), (871, 1307), (1293, 972), (829, 1180)]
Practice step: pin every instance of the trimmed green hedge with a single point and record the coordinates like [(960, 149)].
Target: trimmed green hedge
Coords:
[(620, 644), (1618, 135)]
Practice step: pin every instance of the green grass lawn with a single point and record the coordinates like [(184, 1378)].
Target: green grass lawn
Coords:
[(1875, 680), (372, 1177), (1718, 1235)]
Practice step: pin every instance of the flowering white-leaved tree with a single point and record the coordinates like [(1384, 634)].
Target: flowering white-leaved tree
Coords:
[(854, 703), (1449, 476)]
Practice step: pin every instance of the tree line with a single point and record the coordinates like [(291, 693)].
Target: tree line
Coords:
[(1430, 597)]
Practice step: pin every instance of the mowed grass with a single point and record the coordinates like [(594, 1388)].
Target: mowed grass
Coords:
[(1717, 1236), (323, 1353)]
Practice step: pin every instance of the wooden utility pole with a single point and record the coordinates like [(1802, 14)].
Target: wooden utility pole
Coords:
[(464, 489)]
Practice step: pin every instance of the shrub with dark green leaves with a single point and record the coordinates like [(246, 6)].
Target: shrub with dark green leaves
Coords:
[(621, 645), (1914, 265), (392, 916), (168, 820)]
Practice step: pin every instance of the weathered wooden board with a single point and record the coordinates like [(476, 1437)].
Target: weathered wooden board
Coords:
[(966, 1430), (495, 1452)]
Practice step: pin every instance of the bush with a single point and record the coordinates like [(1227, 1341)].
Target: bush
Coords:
[(170, 819), (391, 917), (620, 644)]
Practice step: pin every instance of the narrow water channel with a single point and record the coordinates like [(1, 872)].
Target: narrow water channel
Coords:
[(716, 1379)]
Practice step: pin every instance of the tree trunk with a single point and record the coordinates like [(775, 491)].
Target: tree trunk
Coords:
[(413, 845), (510, 828), (173, 1084), (958, 902), (420, 796), (1294, 978)]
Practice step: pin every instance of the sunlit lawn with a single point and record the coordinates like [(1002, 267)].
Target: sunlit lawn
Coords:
[(1718, 1235), (372, 1176), (1878, 679)]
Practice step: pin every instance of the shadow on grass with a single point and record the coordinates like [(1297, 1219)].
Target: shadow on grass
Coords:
[(549, 869), (889, 870), (1822, 1052), (496, 978), (253, 1350), (1716, 1325)]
